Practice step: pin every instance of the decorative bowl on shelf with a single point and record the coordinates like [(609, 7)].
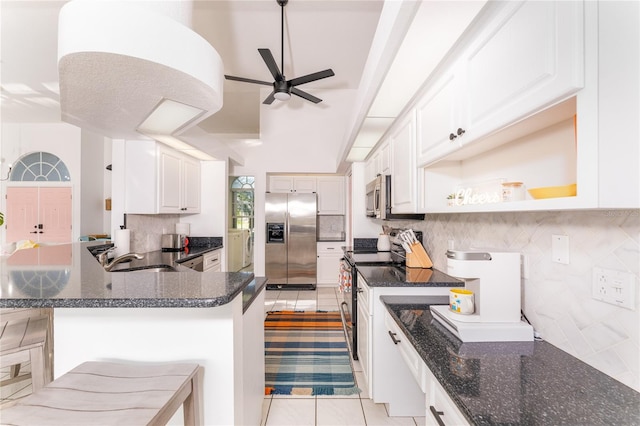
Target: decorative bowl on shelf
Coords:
[(554, 191)]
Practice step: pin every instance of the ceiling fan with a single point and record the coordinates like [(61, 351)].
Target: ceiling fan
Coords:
[(283, 89)]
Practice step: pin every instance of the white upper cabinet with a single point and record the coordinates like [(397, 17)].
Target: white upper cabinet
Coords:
[(304, 184), (331, 195), (555, 113), (169, 180), (160, 179), (525, 58), (191, 178), (439, 116), (528, 57), (330, 190), (403, 161), (379, 162), (618, 105)]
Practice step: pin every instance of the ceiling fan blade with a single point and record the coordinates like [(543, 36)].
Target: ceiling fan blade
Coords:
[(305, 95), (267, 57), (269, 99), (312, 77), (247, 80)]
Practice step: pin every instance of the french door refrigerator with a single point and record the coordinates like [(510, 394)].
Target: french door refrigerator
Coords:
[(290, 248)]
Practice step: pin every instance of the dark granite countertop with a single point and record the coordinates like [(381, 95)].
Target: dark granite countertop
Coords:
[(399, 276), (515, 383), (68, 276)]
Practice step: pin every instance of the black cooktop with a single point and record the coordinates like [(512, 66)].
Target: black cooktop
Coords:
[(369, 257)]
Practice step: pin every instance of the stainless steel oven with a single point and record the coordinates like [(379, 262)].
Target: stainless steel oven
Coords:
[(349, 281)]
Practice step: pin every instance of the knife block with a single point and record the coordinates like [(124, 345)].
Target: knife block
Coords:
[(418, 258)]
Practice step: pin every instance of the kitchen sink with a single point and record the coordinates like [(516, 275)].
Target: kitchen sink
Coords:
[(155, 268)]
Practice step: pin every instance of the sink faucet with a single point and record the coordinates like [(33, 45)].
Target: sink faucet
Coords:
[(108, 266)]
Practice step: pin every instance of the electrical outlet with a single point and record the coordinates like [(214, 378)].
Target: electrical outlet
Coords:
[(614, 287)]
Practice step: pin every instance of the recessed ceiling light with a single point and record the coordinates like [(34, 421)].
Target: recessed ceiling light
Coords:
[(168, 117)]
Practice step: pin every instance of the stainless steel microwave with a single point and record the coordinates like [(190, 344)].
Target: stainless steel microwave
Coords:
[(378, 201)]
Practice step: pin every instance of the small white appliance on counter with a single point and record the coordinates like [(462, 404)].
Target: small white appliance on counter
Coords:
[(494, 279)]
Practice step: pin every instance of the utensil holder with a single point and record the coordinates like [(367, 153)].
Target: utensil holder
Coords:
[(418, 258)]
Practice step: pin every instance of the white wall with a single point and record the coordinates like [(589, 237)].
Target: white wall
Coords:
[(92, 205), (211, 222)]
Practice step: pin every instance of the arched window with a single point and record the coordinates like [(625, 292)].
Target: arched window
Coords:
[(242, 202), (40, 166)]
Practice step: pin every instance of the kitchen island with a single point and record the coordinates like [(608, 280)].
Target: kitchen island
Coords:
[(497, 383), (212, 318)]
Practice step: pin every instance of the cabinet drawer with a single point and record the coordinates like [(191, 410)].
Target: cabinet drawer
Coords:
[(333, 247), (411, 357), (211, 260), (441, 406)]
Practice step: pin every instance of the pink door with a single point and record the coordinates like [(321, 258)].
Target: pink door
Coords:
[(39, 214), (55, 215), (22, 214)]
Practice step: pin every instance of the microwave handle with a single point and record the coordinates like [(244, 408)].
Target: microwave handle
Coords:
[(376, 199)]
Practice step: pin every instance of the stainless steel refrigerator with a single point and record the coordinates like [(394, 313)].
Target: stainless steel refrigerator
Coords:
[(290, 248)]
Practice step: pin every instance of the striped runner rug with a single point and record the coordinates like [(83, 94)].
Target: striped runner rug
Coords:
[(306, 353)]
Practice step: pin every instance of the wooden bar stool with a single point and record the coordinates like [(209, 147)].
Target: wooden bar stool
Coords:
[(109, 393), (23, 340)]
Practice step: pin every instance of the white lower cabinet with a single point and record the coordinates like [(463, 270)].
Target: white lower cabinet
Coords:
[(212, 261), (328, 264), (388, 378), (364, 342), (440, 408)]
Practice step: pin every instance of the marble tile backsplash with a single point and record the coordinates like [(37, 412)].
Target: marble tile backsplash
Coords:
[(557, 297), (147, 230)]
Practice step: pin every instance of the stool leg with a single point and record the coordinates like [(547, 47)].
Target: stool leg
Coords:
[(192, 406), (15, 370), (38, 378)]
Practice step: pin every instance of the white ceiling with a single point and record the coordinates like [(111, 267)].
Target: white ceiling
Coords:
[(319, 34)]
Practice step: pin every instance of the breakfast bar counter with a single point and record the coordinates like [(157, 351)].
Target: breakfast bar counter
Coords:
[(212, 318)]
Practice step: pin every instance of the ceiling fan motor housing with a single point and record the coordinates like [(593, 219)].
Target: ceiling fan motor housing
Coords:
[(282, 88)]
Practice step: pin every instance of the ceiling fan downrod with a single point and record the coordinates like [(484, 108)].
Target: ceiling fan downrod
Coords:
[(282, 4)]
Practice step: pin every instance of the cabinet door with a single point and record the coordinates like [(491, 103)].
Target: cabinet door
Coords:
[(328, 268), (529, 57), (440, 407), (190, 186), (22, 214), (170, 181), (364, 343), (55, 215), (438, 118), (304, 184), (331, 198), (385, 159), (403, 182), (281, 183)]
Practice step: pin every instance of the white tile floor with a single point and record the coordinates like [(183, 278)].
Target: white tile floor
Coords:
[(329, 410)]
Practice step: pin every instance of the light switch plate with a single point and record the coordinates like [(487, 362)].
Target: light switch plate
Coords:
[(560, 249)]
